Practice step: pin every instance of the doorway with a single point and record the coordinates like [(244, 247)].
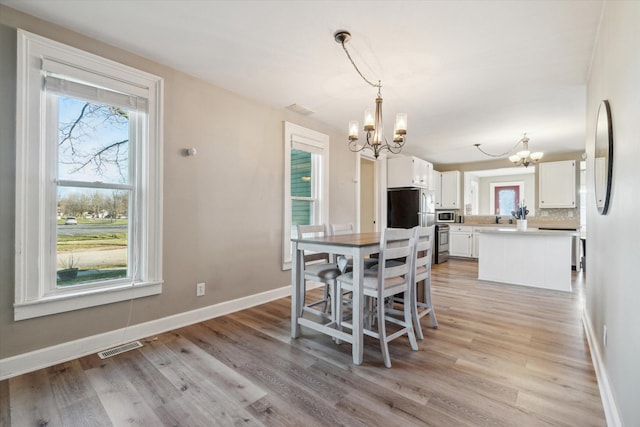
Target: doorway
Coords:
[(367, 195)]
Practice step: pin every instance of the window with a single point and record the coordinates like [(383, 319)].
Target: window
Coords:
[(504, 197), (306, 182), (88, 196)]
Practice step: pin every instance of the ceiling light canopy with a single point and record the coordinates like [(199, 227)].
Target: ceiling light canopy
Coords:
[(373, 121), (523, 157)]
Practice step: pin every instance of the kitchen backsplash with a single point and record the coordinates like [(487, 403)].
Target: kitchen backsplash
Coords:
[(543, 217)]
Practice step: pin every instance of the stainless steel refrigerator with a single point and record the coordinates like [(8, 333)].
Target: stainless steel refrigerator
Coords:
[(409, 207)]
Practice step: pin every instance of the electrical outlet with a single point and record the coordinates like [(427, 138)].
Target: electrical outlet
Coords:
[(570, 214), (604, 336), (199, 289), (545, 213)]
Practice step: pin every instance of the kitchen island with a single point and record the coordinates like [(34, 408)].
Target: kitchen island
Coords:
[(532, 257)]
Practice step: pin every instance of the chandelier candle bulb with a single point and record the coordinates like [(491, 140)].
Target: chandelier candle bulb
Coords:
[(368, 120), (401, 123), (353, 130)]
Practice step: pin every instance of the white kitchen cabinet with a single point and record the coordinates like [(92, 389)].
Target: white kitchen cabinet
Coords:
[(408, 171), (475, 246), (461, 241), (557, 184), (430, 182), (450, 190), (437, 188)]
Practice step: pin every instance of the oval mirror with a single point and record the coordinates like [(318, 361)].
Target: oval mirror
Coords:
[(603, 159)]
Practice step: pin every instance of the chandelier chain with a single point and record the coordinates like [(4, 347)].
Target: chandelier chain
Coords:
[(379, 85), (503, 154)]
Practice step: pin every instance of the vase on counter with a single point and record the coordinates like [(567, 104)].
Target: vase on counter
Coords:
[(521, 224)]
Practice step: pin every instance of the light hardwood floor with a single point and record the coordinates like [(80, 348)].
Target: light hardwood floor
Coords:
[(502, 356)]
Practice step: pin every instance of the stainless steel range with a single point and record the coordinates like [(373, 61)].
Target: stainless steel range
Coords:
[(441, 252)]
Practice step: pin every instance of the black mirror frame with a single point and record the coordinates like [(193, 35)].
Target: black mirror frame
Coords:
[(609, 141)]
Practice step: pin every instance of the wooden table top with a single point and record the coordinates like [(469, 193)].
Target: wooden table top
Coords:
[(356, 239)]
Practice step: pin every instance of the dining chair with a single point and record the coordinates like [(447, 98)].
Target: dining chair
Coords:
[(319, 268), (423, 250), (384, 282), (345, 264)]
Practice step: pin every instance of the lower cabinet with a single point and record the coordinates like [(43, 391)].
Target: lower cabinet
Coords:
[(461, 241), (475, 248)]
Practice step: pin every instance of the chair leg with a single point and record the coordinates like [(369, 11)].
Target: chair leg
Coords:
[(407, 320), (414, 313), (382, 333), (336, 308), (427, 299), (327, 297), (302, 297), (333, 299)]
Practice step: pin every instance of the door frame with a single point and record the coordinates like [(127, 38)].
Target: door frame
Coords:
[(379, 189)]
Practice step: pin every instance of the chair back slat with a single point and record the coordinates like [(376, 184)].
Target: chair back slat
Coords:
[(397, 245), (424, 246), (344, 228), (313, 231)]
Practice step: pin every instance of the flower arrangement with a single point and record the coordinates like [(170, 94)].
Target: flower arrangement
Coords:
[(521, 212)]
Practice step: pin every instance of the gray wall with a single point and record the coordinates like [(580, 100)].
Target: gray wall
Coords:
[(613, 240), (222, 208)]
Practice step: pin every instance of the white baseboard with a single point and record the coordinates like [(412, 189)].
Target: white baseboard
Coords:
[(49, 356), (608, 402)]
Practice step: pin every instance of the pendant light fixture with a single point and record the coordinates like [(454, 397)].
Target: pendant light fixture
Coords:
[(523, 157), (373, 121)]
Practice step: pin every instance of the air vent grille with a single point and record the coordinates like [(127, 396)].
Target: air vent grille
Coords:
[(119, 349), (296, 108)]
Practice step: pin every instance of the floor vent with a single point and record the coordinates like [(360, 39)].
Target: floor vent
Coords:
[(119, 349)]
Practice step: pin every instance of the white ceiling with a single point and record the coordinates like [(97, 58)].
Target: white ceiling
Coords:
[(465, 72)]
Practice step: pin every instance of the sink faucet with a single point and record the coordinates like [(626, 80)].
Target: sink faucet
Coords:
[(498, 219)]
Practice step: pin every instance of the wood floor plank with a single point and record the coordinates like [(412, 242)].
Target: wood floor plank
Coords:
[(119, 397), (5, 407), (211, 401), (502, 355), (31, 400)]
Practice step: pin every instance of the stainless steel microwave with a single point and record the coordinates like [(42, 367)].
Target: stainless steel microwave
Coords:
[(445, 216)]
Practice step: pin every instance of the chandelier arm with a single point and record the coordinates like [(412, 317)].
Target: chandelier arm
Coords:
[(353, 146), (379, 85), (393, 146)]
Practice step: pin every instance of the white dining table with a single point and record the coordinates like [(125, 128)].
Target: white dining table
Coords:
[(357, 246)]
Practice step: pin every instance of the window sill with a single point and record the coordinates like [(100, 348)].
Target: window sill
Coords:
[(76, 301)]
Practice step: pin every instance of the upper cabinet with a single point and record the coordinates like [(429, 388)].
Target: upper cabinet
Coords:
[(409, 172), (557, 184), (437, 188), (448, 190)]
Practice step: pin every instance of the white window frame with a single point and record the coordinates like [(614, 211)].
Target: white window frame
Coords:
[(301, 138), (36, 181)]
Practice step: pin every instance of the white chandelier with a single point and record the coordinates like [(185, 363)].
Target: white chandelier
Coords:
[(373, 122), (523, 157)]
